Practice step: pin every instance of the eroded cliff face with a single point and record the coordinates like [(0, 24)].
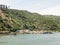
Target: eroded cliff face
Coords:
[(2, 14), (4, 17), (5, 21)]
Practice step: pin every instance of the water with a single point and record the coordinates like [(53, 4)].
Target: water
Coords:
[(31, 39)]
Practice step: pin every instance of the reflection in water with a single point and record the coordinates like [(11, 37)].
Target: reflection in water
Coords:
[(3, 42), (31, 39)]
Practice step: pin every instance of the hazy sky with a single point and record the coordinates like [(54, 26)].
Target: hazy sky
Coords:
[(39, 6)]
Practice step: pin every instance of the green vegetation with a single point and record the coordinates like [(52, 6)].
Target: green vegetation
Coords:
[(21, 19)]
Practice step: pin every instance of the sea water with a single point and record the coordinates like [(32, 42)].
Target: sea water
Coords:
[(31, 39)]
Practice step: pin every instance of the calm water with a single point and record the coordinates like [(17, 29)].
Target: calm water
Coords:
[(31, 39)]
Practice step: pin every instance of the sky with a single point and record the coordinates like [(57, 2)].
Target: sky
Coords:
[(51, 7)]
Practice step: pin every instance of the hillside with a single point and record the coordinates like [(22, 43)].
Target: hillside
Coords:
[(13, 19)]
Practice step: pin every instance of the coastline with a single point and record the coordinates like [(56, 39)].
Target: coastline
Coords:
[(26, 32)]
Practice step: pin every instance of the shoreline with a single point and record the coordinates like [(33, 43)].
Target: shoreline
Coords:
[(26, 32)]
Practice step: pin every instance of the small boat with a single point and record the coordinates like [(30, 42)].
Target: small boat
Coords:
[(47, 33)]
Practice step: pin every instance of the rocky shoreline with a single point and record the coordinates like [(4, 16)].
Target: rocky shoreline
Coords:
[(33, 32), (25, 32)]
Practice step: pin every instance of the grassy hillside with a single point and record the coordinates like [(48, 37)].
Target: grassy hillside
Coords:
[(13, 19)]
